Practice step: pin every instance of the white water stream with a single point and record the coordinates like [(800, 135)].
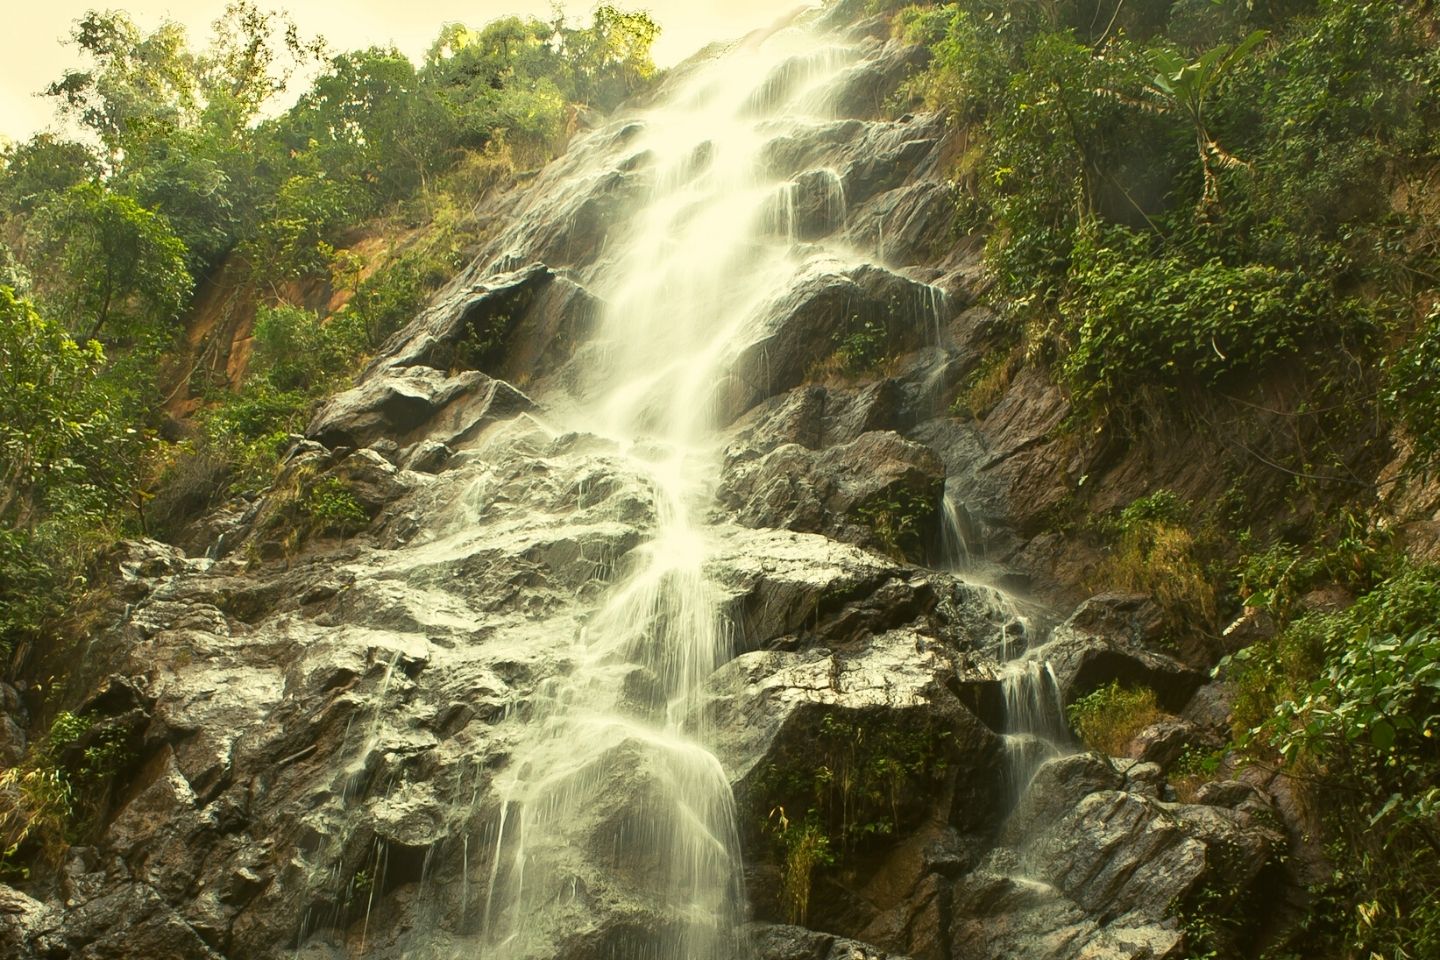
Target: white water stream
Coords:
[(684, 280)]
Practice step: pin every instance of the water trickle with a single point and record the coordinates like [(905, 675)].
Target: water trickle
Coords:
[(1033, 727)]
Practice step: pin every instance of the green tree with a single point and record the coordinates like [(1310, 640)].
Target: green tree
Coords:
[(33, 172), (113, 268), (58, 426), (1188, 86), (136, 87), (368, 119), (179, 127)]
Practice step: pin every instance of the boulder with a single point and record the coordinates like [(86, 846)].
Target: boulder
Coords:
[(467, 325), (805, 325), (879, 491), (817, 416), (1109, 638), (773, 941), (877, 744), (1116, 854), (416, 400), (1163, 741)]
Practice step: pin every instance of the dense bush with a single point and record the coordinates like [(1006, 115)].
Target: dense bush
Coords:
[(1413, 386), (182, 159), (1175, 199), (1351, 701)]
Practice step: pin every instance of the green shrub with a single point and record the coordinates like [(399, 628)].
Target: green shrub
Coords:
[(1192, 770), (861, 345), (1142, 318), (333, 508), (54, 795), (1353, 703), (898, 519), (1154, 552), (805, 847), (1412, 391), (295, 350), (1107, 719)]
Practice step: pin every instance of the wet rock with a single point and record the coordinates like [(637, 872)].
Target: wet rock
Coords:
[(787, 725), (401, 403), (1022, 919), (1229, 793), (878, 490), (866, 91), (817, 417), (791, 154), (891, 153), (1164, 741), (371, 479), (12, 730), (12, 741), (467, 326), (23, 923), (1145, 780), (1107, 639), (1058, 787), (804, 325), (427, 456), (909, 224), (1209, 710), (1117, 854), (794, 591), (816, 205), (772, 941), (562, 316)]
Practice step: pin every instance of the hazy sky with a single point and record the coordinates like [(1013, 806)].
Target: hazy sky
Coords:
[(35, 31)]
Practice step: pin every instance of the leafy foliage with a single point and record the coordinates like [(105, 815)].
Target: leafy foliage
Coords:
[(1108, 718), (1154, 551), (117, 270), (1413, 386), (1135, 266), (53, 795), (1356, 706), (67, 458), (806, 847), (333, 508)]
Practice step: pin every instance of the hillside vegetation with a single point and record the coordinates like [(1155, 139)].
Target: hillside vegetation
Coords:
[(1184, 199)]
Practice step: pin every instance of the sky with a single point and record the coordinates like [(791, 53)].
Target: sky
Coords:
[(36, 31)]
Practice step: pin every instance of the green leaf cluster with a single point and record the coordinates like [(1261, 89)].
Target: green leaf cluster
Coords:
[(1356, 710), (1180, 197)]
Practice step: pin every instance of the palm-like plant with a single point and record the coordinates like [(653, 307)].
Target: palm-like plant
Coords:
[(1188, 86)]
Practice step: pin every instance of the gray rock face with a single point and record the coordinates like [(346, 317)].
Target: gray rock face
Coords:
[(416, 402), (1111, 637), (878, 490), (808, 323), (772, 941)]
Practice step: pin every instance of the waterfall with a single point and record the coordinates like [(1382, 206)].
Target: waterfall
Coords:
[(684, 278)]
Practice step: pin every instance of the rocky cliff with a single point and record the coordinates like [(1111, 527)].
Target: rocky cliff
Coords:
[(320, 720)]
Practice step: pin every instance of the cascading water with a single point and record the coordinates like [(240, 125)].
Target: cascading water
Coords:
[(684, 282), (1034, 728)]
